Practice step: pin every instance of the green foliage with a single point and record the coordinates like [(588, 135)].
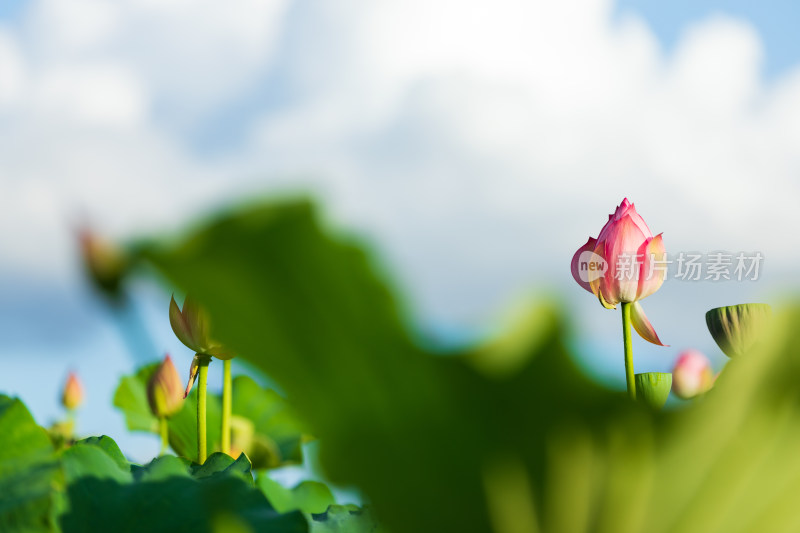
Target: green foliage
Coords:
[(277, 433), (92, 459), (90, 486), (308, 496), (508, 437), (30, 473), (166, 496), (344, 519)]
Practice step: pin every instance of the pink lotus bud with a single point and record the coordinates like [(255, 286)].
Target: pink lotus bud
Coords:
[(692, 375), (164, 390), (105, 262), (624, 264), (72, 395), (191, 326)]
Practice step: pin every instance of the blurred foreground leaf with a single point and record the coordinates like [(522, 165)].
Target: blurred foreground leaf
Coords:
[(507, 437)]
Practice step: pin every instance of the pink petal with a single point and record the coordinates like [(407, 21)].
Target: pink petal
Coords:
[(624, 209), (588, 247), (637, 218), (643, 326), (622, 243), (652, 251), (600, 287)]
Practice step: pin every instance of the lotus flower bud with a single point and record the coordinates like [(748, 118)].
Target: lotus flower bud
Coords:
[(164, 390), (105, 262), (191, 326), (737, 329), (72, 395), (692, 375), (625, 264)]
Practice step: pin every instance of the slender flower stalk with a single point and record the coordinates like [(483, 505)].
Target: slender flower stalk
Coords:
[(163, 429), (227, 390), (630, 380), (202, 376)]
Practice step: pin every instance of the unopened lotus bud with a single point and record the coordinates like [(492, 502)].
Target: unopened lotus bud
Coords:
[(164, 390), (737, 329), (191, 326), (692, 375), (72, 395), (105, 262)]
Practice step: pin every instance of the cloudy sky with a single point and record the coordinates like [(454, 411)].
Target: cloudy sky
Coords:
[(476, 144)]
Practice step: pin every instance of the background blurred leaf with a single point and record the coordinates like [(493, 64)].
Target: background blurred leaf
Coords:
[(30, 474)]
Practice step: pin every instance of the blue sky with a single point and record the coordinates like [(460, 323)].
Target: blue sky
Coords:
[(498, 140), (776, 21)]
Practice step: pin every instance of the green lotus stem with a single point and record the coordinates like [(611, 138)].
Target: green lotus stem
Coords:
[(227, 387), (164, 430), (202, 378), (626, 337)]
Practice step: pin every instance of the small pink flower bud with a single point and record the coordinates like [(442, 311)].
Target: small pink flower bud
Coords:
[(692, 375), (72, 395), (164, 390)]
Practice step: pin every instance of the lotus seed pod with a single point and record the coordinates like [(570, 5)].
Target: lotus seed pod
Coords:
[(737, 329), (653, 388)]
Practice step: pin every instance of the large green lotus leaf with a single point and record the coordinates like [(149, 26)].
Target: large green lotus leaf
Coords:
[(307, 496), (269, 413), (111, 449), (30, 474), (344, 519), (167, 495), (219, 463), (162, 468), (97, 457), (508, 436)]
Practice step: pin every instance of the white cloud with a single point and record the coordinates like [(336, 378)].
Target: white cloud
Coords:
[(482, 142), (94, 95), (12, 75)]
